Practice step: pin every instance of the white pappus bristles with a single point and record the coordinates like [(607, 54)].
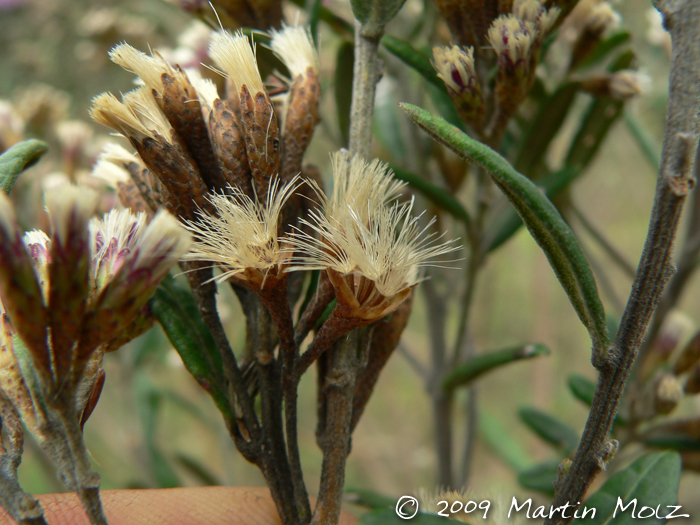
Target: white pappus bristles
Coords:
[(148, 69), (70, 207), (141, 102), (108, 111), (295, 48), (244, 234), (234, 55), (205, 88)]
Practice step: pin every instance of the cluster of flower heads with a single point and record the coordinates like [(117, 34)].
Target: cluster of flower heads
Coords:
[(67, 297), (370, 245)]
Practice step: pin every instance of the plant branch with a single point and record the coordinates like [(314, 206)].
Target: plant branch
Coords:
[(366, 74), (682, 19)]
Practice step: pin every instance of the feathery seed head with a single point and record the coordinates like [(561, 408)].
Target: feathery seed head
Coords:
[(295, 48), (234, 55), (243, 236), (455, 66), (108, 111), (511, 37)]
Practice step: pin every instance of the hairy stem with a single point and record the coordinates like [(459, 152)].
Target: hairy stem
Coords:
[(339, 388), (682, 19)]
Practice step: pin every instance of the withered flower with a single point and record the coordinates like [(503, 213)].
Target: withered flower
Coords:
[(372, 250), (242, 237)]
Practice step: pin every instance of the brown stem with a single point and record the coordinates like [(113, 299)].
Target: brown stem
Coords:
[(682, 19), (278, 306), (339, 388)]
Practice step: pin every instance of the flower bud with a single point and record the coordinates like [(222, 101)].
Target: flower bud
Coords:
[(456, 68)]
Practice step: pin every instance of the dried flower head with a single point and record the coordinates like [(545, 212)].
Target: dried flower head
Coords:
[(242, 237), (295, 48), (373, 250), (109, 111)]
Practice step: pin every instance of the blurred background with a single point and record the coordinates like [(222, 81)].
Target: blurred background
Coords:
[(154, 427)]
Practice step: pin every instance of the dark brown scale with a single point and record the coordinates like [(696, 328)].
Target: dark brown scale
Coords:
[(180, 103)]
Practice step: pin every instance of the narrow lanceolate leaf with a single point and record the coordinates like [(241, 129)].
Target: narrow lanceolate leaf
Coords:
[(650, 481), (479, 365), (414, 58), (508, 222), (174, 308), (17, 159), (550, 428), (438, 196), (541, 218)]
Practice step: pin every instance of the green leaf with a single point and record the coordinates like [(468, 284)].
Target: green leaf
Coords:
[(550, 428), (541, 218), (508, 222), (373, 15), (479, 365), (604, 49), (389, 517), (650, 148), (503, 444), (540, 477), (413, 57), (551, 114), (652, 480), (582, 388), (313, 8), (17, 159), (175, 310), (438, 196), (368, 498), (343, 87)]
